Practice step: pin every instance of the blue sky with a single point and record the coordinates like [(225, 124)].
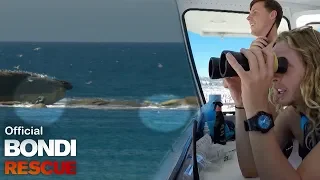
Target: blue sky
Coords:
[(205, 47)]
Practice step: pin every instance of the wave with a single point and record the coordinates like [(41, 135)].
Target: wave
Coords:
[(164, 101), (104, 103), (188, 103)]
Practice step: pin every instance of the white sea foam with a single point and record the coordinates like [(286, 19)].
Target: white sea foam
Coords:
[(209, 87)]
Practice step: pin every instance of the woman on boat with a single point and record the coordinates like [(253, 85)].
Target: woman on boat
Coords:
[(261, 138)]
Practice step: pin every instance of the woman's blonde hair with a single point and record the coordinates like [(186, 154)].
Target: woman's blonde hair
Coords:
[(305, 41)]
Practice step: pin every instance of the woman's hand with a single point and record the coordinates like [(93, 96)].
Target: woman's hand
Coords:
[(256, 82), (259, 43)]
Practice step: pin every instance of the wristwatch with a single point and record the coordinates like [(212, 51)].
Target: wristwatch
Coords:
[(262, 122)]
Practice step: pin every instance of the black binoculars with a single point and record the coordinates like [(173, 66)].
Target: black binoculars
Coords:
[(220, 67)]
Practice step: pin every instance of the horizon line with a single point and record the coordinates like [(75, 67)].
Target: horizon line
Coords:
[(91, 42)]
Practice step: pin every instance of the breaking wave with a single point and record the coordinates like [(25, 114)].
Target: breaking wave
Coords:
[(163, 101), (104, 103)]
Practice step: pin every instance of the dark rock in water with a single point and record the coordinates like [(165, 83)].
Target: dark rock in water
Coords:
[(190, 100), (28, 87), (104, 102), (40, 105)]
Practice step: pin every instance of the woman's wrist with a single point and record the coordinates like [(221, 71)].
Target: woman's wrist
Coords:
[(239, 105)]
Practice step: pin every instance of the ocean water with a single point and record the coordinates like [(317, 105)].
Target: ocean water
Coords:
[(112, 143)]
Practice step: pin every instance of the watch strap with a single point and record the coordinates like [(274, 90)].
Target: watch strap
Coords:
[(246, 125), (252, 123)]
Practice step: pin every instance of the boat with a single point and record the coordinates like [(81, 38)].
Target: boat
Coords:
[(223, 19)]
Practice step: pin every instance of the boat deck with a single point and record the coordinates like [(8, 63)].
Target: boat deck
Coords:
[(231, 170)]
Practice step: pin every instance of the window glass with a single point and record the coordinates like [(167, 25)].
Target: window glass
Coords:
[(211, 32), (309, 19), (92, 71)]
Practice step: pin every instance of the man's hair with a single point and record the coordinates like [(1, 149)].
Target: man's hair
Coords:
[(271, 5)]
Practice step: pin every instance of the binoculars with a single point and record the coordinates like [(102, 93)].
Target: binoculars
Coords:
[(220, 67)]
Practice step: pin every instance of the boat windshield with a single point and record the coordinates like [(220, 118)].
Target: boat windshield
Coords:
[(209, 32)]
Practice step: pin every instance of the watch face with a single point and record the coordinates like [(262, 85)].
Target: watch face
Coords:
[(264, 121)]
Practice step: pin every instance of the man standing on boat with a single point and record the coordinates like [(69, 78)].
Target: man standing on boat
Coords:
[(264, 18)]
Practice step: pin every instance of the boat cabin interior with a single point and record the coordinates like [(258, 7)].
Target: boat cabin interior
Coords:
[(211, 26)]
